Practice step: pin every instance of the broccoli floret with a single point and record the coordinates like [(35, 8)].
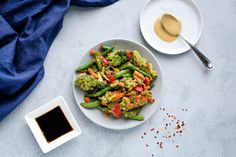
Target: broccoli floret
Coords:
[(138, 59), (111, 55), (129, 83), (117, 58), (86, 82), (106, 99)]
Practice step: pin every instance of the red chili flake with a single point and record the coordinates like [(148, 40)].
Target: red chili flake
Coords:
[(166, 124), (144, 133), (178, 126), (147, 145), (157, 132), (163, 109), (180, 131), (152, 129), (177, 146)]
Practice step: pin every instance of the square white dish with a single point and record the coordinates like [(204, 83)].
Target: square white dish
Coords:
[(38, 134)]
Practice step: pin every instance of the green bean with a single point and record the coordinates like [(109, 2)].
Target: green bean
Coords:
[(121, 73), (104, 47), (104, 90), (137, 117), (103, 109), (128, 75), (84, 67), (108, 51), (93, 104), (132, 67), (132, 113), (98, 61)]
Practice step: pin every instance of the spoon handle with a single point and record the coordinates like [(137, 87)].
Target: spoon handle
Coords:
[(206, 62)]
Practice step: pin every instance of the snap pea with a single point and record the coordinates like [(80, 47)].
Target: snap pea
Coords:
[(104, 47), (93, 104), (106, 52), (121, 73), (84, 67), (132, 67), (103, 109), (98, 61), (137, 117), (104, 90), (128, 75)]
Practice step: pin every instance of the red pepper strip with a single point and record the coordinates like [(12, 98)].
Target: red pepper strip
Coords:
[(146, 81), (104, 61), (138, 88), (111, 78), (129, 55), (116, 111)]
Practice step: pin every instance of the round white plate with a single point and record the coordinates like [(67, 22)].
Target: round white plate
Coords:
[(185, 10), (119, 124)]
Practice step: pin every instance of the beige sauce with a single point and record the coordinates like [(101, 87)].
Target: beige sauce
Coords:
[(167, 27), (160, 31), (171, 24)]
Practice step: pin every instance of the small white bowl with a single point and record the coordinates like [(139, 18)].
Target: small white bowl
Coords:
[(31, 120)]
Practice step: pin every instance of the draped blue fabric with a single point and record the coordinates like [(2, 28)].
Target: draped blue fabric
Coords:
[(27, 30)]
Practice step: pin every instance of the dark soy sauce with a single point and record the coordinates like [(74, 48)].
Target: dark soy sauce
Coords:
[(53, 124)]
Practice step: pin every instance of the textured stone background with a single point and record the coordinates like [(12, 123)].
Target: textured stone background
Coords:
[(209, 97)]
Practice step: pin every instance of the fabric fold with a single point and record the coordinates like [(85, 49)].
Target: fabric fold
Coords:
[(27, 30)]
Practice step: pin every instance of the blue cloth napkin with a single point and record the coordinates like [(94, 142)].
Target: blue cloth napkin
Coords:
[(27, 30)]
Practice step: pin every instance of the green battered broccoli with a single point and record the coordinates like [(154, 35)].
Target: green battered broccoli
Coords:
[(129, 83), (117, 58), (86, 82)]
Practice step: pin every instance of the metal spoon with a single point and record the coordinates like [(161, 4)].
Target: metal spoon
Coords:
[(173, 27)]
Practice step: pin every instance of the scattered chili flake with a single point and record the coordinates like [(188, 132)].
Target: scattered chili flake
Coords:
[(178, 126), (147, 145), (152, 129), (177, 146), (144, 133), (152, 154), (157, 132), (155, 137)]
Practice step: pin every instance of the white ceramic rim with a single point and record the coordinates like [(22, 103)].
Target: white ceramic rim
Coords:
[(158, 48), (160, 76)]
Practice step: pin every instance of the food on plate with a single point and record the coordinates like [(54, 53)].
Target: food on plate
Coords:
[(116, 82)]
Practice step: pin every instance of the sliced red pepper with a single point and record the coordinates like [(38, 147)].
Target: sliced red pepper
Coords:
[(129, 54), (111, 78), (138, 88), (146, 81), (116, 110), (104, 61)]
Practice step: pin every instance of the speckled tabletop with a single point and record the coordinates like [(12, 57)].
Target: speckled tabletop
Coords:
[(210, 97)]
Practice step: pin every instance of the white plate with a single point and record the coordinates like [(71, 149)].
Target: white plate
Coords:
[(185, 10), (119, 124)]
